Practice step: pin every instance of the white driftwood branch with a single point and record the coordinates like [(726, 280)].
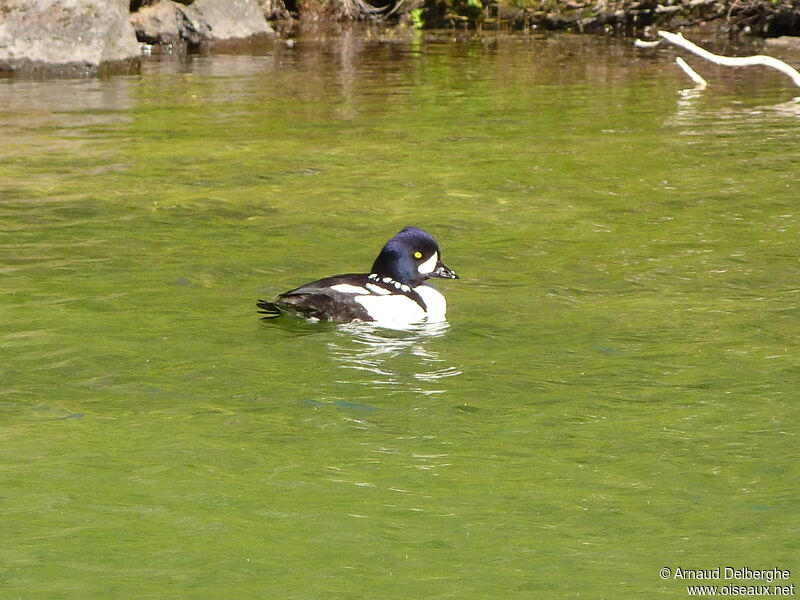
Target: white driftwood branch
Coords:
[(642, 44), (694, 75), (730, 61)]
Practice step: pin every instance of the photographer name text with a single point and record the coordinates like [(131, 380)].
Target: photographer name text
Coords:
[(728, 573)]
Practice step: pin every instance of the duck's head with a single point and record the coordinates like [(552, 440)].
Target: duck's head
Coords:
[(411, 257)]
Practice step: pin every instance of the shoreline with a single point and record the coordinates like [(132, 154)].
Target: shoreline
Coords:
[(78, 40)]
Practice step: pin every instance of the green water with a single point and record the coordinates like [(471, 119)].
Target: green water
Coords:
[(617, 390)]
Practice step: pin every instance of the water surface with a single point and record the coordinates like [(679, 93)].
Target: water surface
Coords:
[(615, 392)]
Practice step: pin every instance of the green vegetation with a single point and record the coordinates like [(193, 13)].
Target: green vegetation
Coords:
[(415, 16)]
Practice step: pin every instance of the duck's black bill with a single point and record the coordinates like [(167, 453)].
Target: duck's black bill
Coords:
[(444, 272)]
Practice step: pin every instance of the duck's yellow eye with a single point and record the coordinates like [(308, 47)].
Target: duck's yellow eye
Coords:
[(417, 254)]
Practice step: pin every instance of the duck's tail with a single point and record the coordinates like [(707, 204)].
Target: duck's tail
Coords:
[(270, 310)]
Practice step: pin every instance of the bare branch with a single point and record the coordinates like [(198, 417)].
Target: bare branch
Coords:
[(730, 61), (694, 75)]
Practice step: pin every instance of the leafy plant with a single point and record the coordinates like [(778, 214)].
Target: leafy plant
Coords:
[(416, 18)]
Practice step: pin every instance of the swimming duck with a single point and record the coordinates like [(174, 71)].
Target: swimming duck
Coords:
[(394, 292)]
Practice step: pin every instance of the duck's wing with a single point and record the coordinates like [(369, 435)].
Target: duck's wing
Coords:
[(328, 299)]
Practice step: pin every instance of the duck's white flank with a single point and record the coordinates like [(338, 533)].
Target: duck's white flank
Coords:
[(400, 309), (434, 300)]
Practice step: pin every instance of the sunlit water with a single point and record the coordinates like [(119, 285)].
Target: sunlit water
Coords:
[(616, 390)]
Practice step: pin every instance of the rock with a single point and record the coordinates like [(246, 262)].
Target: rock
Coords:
[(66, 37), (781, 23), (232, 19), (274, 10), (785, 41), (167, 22), (137, 4)]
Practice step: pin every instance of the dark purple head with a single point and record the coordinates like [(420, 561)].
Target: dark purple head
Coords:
[(411, 257)]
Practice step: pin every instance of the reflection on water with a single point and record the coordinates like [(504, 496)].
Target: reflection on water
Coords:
[(393, 359), (691, 108), (787, 109)]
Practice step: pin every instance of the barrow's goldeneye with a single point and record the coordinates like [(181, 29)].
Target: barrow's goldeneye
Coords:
[(394, 293)]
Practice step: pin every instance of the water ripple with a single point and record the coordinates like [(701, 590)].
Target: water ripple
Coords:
[(393, 359)]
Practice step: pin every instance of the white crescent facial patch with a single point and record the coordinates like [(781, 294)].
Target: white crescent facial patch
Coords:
[(429, 265)]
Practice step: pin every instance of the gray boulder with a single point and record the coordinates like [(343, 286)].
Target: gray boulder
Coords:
[(202, 21), (59, 36), (232, 19), (168, 22)]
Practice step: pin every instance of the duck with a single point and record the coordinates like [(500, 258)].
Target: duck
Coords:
[(394, 293)]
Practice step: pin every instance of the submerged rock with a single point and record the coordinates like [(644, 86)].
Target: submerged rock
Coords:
[(66, 37), (167, 22), (785, 41)]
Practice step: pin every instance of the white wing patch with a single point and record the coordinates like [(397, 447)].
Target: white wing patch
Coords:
[(376, 289), (429, 265), (346, 288)]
